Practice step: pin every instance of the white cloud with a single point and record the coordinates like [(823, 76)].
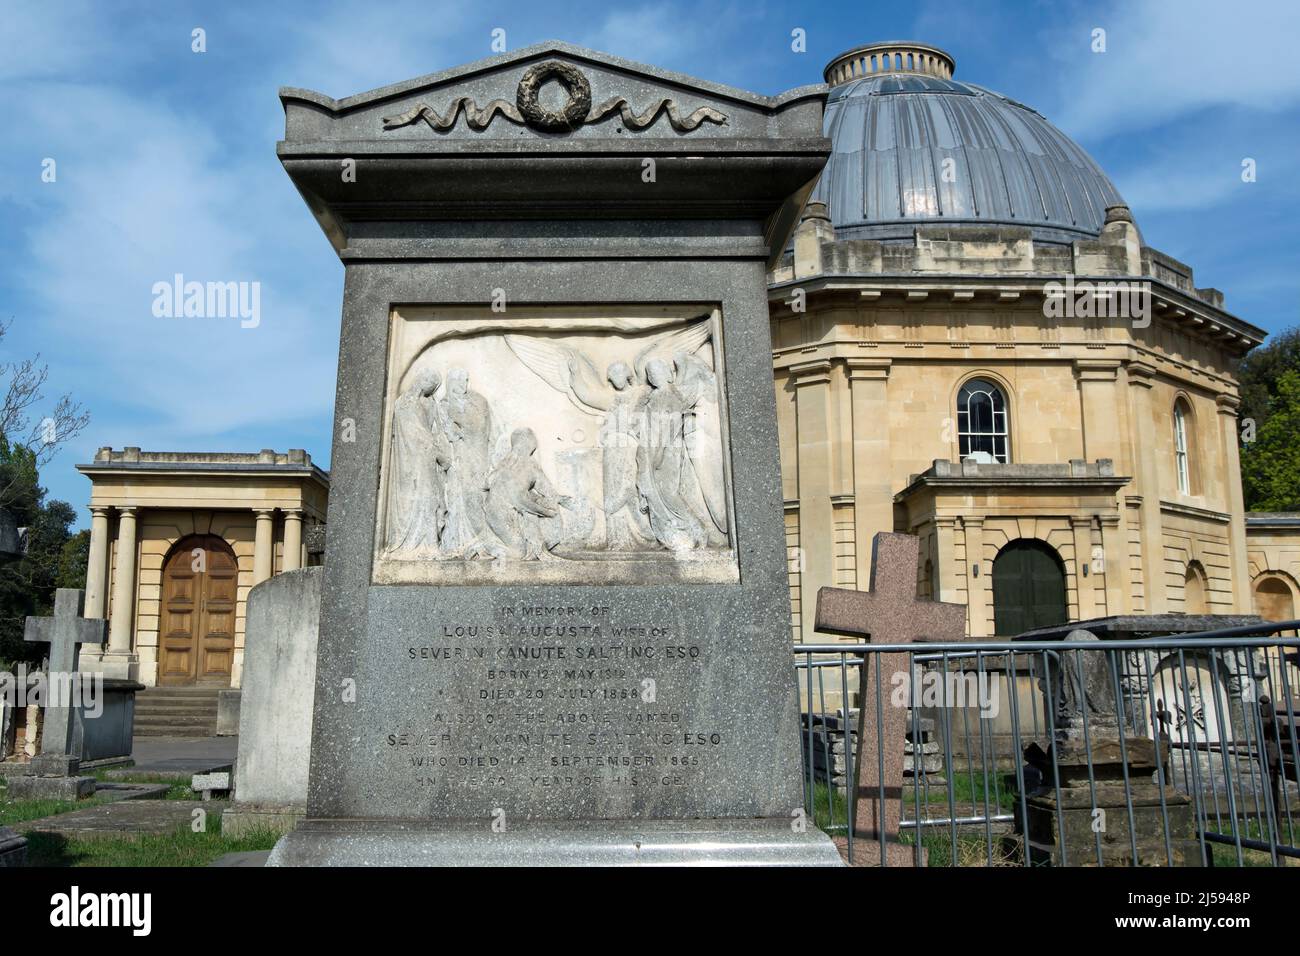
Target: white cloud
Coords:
[(143, 193), (1166, 61), (346, 48), (1173, 184)]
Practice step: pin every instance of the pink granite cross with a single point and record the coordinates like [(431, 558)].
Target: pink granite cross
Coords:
[(890, 613)]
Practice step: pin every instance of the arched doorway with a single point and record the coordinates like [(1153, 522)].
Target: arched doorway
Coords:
[(197, 633), (1273, 600), (1028, 588)]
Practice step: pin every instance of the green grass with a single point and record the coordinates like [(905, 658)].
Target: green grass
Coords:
[(1226, 854), (13, 812), (830, 813), (968, 796), (181, 848), (178, 785), (830, 806)]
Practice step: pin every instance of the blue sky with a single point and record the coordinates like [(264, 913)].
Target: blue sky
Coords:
[(166, 163)]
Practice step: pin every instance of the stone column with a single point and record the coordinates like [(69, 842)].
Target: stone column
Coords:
[(1119, 599), (816, 460), (263, 545), (1084, 585), (1141, 378), (873, 498), (977, 582), (292, 559), (1099, 398), (120, 655), (945, 568), (97, 567), (1236, 502)]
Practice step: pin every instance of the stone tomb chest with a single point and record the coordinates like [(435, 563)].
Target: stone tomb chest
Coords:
[(554, 621)]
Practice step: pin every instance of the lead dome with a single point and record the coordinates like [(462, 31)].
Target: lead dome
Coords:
[(912, 146)]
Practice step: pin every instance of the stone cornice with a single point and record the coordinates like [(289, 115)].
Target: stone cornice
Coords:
[(811, 373), (1097, 370), (1141, 374), (1191, 511), (868, 369), (1170, 303), (1228, 404)]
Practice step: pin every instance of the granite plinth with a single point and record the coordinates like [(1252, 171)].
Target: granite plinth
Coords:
[(594, 843), (594, 707)]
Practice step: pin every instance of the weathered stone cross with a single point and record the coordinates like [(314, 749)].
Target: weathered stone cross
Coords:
[(65, 632), (890, 613)]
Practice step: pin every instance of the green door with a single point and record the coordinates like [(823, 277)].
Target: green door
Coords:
[(1028, 588)]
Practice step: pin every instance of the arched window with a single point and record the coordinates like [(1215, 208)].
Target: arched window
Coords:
[(1182, 449), (982, 422)]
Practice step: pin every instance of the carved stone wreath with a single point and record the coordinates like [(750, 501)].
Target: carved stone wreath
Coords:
[(527, 108), (575, 111)]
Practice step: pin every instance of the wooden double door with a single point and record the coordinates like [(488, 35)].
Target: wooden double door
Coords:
[(1028, 588), (197, 635)]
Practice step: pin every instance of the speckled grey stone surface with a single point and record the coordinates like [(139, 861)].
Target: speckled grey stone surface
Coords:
[(597, 843), (572, 719)]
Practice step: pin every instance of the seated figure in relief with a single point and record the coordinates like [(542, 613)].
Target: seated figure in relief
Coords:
[(671, 495), (519, 500)]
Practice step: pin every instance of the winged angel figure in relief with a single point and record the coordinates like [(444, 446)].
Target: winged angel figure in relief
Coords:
[(660, 436)]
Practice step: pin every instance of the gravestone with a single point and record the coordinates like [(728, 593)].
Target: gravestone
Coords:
[(1099, 800), (554, 615), (279, 675), (53, 772), (890, 613), (1193, 699)]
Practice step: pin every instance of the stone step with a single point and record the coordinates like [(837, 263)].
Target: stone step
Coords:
[(188, 693), (176, 702), (191, 719), (186, 726), (163, 712), (149, 730), (177, 711)]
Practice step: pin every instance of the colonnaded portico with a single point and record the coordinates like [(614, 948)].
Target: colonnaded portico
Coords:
[(177, 539)]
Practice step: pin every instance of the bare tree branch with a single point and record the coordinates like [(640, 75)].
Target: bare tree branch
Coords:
[(23, 381)]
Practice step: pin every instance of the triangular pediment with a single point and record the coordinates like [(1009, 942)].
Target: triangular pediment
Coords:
[(551, 89)]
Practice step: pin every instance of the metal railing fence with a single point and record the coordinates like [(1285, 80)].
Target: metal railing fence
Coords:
[(1160, 751)]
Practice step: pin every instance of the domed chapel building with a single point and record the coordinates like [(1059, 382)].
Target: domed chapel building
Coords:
[(971, 343)]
